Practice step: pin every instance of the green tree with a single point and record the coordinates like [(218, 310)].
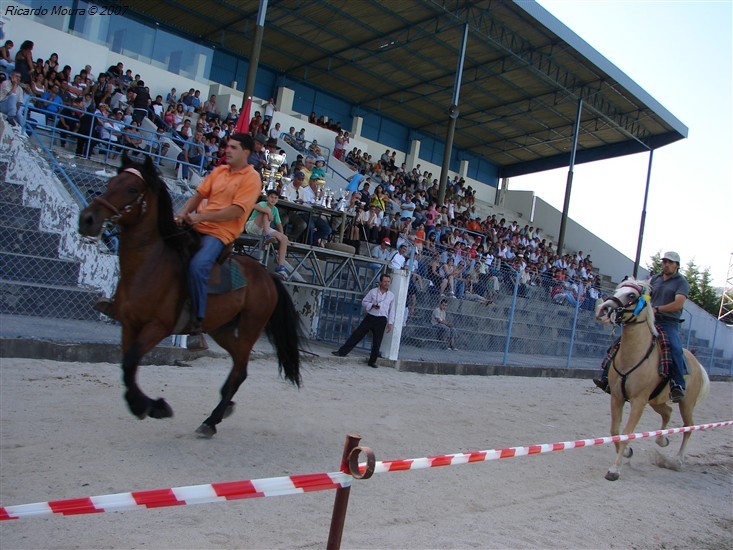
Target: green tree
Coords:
[(655, 266), (692, 274), (709, 299)]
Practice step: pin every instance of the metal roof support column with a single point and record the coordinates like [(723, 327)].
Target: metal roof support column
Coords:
[(254, 58), (569, 183), (453, 117), (643, 214)]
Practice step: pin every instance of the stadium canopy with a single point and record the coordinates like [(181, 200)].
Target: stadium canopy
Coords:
[(524, 71)]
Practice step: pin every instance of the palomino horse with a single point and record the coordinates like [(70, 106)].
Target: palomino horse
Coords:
[(634, 373), (151, 293)]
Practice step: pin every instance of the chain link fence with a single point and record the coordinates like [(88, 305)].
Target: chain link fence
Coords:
[(706, 338), (468, 312), (496, 315), (47, 270)]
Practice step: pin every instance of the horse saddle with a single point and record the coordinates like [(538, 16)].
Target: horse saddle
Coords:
[(226, 275)]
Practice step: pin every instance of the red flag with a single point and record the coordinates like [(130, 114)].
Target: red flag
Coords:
[(242, 126)]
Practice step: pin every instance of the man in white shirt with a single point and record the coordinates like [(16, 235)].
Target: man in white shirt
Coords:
[(11, 98), (408, 208), (275, 131), (319, 228), (399, 259), (269, 109), (379, 304)]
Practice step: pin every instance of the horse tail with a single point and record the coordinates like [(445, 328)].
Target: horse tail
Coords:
[(285, 333), (704, 386)]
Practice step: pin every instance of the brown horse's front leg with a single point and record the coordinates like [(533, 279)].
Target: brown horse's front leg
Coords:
[(135, 346)]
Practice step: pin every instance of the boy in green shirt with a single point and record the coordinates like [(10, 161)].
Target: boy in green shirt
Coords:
[(263, 214)]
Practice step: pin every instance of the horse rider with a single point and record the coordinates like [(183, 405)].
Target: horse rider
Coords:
[(231, 191), (669, 292)]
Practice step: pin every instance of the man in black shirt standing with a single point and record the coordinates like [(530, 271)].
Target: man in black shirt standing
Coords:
[(140, 103)]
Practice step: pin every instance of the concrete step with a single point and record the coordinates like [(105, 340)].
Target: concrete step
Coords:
[(26, 241), (19, 216), (61, 302), (425, 335), (36, 269), (11, 193)]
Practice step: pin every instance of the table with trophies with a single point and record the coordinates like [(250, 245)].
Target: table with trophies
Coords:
[(327, 205)]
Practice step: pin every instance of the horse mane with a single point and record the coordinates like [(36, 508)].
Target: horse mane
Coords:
[(173, 235), (646, 288)]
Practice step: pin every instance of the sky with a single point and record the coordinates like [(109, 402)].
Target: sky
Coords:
[(681, 53)]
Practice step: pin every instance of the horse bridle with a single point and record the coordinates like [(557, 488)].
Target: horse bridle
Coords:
[(617, 315), (137, 201)]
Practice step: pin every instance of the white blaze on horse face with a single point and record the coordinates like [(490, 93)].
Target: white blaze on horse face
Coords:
[(603, 312), (624, 297)]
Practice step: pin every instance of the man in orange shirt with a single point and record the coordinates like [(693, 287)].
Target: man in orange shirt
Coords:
[(231, 192)]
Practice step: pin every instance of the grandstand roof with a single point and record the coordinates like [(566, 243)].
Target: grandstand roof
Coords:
[(524, 71)]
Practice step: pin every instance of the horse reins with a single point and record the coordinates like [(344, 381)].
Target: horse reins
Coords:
[(627, 373)]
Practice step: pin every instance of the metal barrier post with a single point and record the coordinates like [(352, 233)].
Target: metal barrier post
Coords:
[(511, 319), (689, 331), (575, 324), (341, 501), (349, 465), (712, 346)]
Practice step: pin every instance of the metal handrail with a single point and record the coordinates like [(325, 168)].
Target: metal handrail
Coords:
[(108, 143)]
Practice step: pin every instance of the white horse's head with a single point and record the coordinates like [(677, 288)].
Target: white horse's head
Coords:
[(630, 303)]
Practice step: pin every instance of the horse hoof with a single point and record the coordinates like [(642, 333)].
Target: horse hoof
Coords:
[(662, 441), (139, 405), (160, 409), (611, 476), (205, 431), (229, 410), (628, 452)]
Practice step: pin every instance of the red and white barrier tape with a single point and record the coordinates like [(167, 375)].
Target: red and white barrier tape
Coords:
[(180, 496), (511, 452), (297, 484)]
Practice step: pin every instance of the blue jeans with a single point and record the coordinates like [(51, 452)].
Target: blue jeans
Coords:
[(570, 298), (672, 330), (191, 160), (198, 272), (460, 289), (318, 228)]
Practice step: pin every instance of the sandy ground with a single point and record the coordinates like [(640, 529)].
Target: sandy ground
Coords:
[(66, 433)]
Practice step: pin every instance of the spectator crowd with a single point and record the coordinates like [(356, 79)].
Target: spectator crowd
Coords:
[(395, 209)]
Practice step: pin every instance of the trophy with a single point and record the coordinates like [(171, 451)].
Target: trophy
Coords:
[(341, 204), (275, 161)]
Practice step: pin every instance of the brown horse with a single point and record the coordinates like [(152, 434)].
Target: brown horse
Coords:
[(152, 290), (634, 373)]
